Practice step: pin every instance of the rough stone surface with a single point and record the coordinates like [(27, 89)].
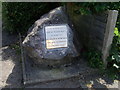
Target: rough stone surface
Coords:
[(35, 42)]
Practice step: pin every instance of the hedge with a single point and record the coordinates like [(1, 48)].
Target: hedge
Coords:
[(19, 16)]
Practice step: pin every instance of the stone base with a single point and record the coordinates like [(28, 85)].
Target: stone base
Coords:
[(33, 74)]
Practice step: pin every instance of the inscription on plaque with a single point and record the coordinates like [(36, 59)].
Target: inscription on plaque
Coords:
[(56, 36)]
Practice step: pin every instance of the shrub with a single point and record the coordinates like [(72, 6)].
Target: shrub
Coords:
[(114, 57), (95, 7), (19, 16), (94, 58)]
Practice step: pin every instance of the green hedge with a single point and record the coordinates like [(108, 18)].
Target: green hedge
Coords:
[(19, 16)]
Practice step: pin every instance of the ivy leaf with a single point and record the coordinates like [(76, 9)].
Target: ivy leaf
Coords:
[(116, 32)]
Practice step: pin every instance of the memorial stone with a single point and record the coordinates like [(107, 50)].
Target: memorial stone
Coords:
[(50, 39)]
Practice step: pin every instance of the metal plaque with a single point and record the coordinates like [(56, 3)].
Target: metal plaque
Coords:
[(56, 36)]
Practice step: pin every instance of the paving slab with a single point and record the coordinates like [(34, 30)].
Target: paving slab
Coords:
[(11, 71)]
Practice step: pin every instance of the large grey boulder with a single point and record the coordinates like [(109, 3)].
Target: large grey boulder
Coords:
[(35, 42)]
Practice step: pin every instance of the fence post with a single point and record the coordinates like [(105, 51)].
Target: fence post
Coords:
[(109, 33)]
